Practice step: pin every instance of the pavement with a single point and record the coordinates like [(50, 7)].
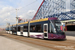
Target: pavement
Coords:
[(70, 37), (11, 44), (7, 44)]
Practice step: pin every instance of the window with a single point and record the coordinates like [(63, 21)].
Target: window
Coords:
[(10, 28), (53, 30), (21, 28), (7, 29), (14, 29), (32, 28), (25, 28), (18, 28), (45, 28), (38, 28)]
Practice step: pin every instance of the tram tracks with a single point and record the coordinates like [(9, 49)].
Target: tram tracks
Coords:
[(45, 43), (49, 41), (32, 42)]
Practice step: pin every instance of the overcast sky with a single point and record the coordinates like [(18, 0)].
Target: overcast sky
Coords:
[(27, 9)]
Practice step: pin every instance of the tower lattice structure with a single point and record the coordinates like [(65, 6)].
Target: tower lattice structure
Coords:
[(54, 8)]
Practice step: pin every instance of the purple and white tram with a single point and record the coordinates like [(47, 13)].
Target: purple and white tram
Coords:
[(47, 28)]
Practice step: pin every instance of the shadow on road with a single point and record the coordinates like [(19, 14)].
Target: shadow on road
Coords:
[(51, 39), (56, 39)]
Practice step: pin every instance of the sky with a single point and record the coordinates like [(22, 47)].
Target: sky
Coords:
[(26, 10)]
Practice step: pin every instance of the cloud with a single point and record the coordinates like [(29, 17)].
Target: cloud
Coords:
[(5, 11), (29, 15), (27, 10), (9, 16), (6, 15)]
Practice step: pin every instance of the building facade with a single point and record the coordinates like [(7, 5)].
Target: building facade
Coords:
[(50, 7), (70, 5), (62, 9)]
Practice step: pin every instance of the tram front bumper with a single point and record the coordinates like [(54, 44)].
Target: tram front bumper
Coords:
[(55, 36), (60, 37)]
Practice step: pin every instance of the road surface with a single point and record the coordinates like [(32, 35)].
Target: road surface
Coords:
[(37, 44)]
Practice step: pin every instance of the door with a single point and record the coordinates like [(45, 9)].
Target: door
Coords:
[(21, 30), (45, 30)]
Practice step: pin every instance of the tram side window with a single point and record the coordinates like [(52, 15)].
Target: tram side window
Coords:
[(39, 28), (10, 29), (25, 28), (18, 28), (45, 27), (32, 28), (14, 29)]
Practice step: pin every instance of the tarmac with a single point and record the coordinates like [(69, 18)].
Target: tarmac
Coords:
[(11, 44), (7, 44), (70, 37)]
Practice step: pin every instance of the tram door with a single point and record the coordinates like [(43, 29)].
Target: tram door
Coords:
[(45, 30), (21, 30)]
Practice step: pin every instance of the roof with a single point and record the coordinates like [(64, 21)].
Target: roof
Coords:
[(45, 19), (68, 20), (40, 20)]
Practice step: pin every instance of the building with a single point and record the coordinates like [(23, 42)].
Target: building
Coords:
[(62, 9), (70, 5)]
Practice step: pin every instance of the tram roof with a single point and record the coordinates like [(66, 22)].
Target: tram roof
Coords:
[(22, 23), (40, 20), (33, 21)]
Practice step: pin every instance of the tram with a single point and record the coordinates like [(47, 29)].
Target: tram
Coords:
[(47, 28)]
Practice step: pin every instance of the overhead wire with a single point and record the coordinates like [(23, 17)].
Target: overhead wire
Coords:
[(29, 4), (22, 7)]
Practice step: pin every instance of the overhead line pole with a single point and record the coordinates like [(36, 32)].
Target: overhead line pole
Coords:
[(16, 16), (17, 19)]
